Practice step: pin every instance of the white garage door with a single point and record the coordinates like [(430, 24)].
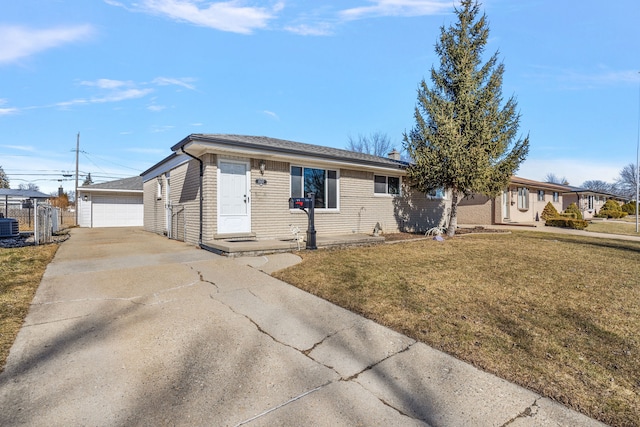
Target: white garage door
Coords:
[(117, 211)]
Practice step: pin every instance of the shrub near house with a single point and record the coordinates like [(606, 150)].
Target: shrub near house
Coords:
[(549, 212), (629, 208), (571, 218), (611, 209)]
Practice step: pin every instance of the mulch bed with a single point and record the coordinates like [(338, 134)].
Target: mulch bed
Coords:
[(26, 239)]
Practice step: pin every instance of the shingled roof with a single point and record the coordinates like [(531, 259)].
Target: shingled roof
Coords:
[(22, 194), (133, 183), (282, 146)]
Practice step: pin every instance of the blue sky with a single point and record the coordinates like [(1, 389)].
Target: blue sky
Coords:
[(135, 77)]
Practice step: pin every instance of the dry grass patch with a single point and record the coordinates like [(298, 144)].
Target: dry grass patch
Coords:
[(21, 270), (558, 314), (617, 227)]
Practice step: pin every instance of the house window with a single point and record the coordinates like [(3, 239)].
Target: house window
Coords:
[(324, 183), (523, 198), (386, 184), (438, 193), (541, 195), (159, 189), (590, 201), (556, 196)]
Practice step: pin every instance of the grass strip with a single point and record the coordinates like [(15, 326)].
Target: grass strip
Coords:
[(21, 270)]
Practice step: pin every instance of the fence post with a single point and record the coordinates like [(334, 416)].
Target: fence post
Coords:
[(35, 222)]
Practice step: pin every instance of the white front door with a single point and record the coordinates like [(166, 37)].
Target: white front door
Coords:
[(234, 198)]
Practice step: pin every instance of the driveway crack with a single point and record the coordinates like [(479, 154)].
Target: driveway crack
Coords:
[(529, 411)]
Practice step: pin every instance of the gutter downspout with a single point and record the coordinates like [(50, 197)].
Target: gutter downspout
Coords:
[(201, 191)]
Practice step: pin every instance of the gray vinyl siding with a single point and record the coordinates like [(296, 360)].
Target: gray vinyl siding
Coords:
[(154, 215)]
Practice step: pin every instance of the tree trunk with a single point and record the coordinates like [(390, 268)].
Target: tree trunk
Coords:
[(453, 215)]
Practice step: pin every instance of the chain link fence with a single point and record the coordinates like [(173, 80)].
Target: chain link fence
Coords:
[(42, 219)]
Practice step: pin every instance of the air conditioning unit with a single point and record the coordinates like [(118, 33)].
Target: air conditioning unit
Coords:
[(9, 227)]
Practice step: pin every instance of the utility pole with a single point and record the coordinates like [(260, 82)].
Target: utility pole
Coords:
[(76, 195), (637, 171)]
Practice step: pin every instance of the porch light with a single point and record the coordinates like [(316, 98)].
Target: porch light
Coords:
[(263, 167)]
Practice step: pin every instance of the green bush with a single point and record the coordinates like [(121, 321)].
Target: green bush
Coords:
[(577, 224), (573, 208), (611, 209), (549, 211), (629, 208), (570, 215)]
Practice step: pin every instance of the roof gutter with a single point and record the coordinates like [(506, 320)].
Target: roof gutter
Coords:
[(201, 192)]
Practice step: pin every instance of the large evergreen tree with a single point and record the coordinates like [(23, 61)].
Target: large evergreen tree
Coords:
[(463, 139), (4, 180)]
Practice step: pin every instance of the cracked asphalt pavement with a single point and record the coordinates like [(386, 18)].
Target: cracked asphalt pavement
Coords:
[(129, 328)]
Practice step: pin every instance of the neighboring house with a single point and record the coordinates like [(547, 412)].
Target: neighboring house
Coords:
[(589, 202), (521, 202), (233, 187), (111, 204)]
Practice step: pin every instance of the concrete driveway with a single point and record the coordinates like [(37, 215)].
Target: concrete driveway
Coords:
[(129, 328)]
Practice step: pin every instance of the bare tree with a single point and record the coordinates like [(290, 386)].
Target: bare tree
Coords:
[(554, 179), (627, 181), (30, 186), (599, 186), (377, 143)]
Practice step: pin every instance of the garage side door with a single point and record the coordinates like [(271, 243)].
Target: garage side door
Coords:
[(117, 211)]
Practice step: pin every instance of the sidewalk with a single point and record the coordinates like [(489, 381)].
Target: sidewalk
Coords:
[(129, 328)]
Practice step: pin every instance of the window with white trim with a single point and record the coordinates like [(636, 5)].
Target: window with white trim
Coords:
[(386, 184), (541, 195), (322, 182), (556, 196), (523, 198)]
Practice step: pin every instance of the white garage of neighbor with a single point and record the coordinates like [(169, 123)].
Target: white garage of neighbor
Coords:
[(111, 204)]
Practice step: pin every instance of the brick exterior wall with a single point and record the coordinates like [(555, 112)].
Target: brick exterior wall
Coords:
[(359, 208), (477, 209)]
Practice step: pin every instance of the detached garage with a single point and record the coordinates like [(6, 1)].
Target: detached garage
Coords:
[(111, 204)]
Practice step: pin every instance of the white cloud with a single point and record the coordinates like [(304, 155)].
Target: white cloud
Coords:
[(115, 91), (156, 108), (18, 42), (106, 83), (123, 95), (321, 29), (397, 8), (8, 111), (184, 82), (20, 147), (271, 114), (230, 15), (160, 129)]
